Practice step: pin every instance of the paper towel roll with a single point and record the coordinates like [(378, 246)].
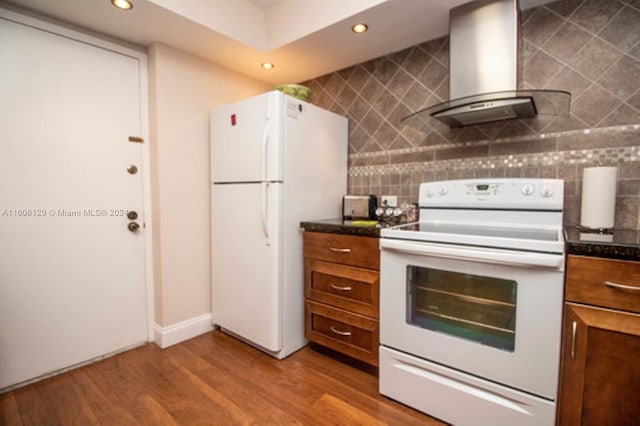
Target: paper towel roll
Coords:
[(598, 197)]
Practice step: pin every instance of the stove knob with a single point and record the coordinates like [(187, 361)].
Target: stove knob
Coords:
[(430, 192), (528, 190), (546, 191), (443, 190)]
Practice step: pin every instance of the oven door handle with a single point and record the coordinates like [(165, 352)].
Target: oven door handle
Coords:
[(475, 254)]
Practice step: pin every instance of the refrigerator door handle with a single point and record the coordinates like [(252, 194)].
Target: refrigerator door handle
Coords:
[(265, 212), (265, 145)]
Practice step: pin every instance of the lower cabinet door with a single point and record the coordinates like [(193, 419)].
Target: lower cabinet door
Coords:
[(600, 373), (346, 332)]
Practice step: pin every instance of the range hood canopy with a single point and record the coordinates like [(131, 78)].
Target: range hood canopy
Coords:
[(494, 106), (483, 71)]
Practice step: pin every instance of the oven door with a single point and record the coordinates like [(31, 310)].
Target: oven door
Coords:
[(495, 314)]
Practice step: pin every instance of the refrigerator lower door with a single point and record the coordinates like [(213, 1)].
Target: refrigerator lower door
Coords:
[(245, 269)]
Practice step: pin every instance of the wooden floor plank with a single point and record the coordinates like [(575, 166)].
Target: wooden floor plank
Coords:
[(107, 412), (184, 401), (9, 413), (341, 413), (158, 414), (246, 398), (211, 379), (235, 414), (119, 388), (273, 379), (54, 401)]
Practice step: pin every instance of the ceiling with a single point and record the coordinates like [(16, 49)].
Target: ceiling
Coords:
[(264, 3), (303, 39)]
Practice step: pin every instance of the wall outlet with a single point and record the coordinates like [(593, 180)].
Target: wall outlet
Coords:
[(390, 200)]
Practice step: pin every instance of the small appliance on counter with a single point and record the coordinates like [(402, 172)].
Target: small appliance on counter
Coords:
[(356, 207)]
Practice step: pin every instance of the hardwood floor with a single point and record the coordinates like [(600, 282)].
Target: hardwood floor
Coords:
[(211, 379)]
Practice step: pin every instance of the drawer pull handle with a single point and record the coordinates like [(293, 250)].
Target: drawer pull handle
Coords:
[(341, 333), (574, 330), (337, 287), (621, 286), (340, 250)]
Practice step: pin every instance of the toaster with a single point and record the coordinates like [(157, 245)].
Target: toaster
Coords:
[(359, 207)]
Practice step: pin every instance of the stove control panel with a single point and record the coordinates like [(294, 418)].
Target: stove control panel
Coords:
[(507, 193)]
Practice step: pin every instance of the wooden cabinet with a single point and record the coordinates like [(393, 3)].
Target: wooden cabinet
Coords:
[(342, 278), (600, 372)]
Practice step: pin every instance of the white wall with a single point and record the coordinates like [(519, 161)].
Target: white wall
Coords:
[(182, 91)]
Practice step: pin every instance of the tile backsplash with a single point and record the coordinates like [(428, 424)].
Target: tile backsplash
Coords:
[(590, 48)]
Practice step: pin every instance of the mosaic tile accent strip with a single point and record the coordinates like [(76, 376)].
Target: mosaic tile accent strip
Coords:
[(586, 157), (605, 136)]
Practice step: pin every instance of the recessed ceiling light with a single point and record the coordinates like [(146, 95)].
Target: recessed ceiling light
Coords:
[(122, 4), (267, 65), (359, 28)]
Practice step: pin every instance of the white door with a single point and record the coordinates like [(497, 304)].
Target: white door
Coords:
[(246, 141), (245, 261), (71, 273)]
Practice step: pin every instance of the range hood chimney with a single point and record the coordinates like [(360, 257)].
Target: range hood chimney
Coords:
[(483, 79)]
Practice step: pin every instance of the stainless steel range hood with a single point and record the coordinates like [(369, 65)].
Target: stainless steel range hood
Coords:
[(483, 77)]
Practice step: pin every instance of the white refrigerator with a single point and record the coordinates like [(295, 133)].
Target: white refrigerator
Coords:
[(275, 161)]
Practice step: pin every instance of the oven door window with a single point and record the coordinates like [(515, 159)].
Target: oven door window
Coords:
[(473, 307)]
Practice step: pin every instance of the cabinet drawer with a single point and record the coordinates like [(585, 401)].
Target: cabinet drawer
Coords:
[(349, 333), (346, 287), (603, 282), (346, 249)]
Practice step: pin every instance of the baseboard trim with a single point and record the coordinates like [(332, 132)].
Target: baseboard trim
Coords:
[(185, 330)]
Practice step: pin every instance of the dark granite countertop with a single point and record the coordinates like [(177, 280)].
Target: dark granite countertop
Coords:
[(347, 227), (617, 244)]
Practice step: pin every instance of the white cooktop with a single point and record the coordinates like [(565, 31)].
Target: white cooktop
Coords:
[(545, 239), (516, 214)]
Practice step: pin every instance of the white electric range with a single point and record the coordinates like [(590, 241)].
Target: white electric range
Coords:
[(471, 302)]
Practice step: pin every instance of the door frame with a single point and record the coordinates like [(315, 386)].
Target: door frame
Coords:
[(141, 56)]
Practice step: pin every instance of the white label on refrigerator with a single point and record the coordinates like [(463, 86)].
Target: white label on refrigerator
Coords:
[(292, 110)]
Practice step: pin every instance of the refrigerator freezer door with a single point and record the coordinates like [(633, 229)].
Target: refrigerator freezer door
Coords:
[(245, 265), (245, 140)]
